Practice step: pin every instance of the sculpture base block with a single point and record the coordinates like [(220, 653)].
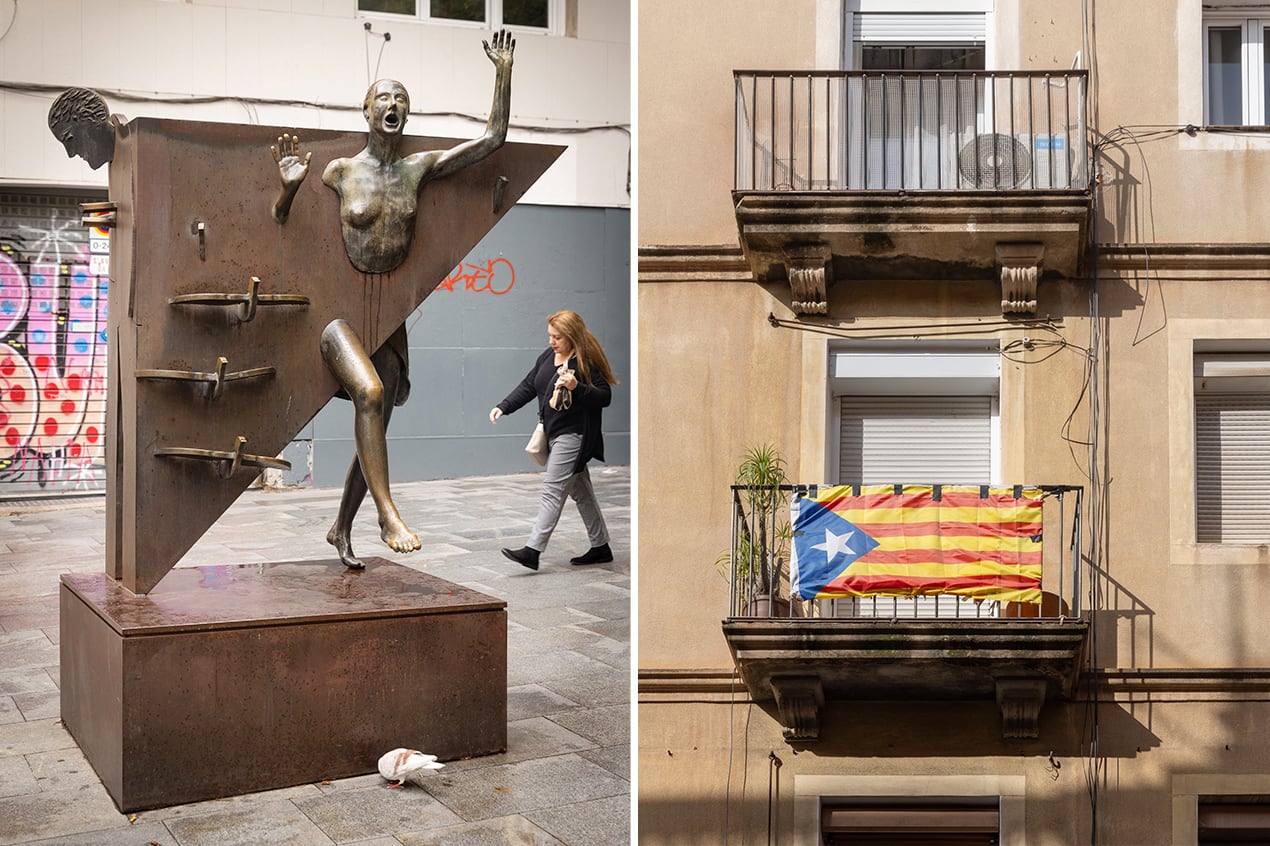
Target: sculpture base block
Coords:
[(232, 679)]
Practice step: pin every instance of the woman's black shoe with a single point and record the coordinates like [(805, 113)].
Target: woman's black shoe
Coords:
[(595, 555), (526, 556)]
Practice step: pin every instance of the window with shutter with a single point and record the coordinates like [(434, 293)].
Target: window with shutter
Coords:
[(948, 41), (1232, 448), (897, 821), (923, 415), (1233, 819)]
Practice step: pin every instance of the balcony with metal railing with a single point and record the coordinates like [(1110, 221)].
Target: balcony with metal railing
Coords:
[(906, 591), (910, 131), (910, 174)]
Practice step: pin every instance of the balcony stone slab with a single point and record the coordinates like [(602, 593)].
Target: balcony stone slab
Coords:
[(898, 235), (802, 663)]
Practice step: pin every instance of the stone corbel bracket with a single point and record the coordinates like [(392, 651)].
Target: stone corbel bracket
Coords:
[(799, 699), (809, 268), (1020, 701), (1020, 267)]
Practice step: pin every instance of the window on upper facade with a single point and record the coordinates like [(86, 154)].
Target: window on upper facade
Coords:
[(918, 41), (493, 14), (1233, 819), (1236, 70), (1232, 447), (896, 821)]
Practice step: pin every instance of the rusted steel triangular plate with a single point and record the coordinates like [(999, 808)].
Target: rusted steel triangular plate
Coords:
[(194, 203)]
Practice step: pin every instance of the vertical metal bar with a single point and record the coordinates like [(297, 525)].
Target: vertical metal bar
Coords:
[(1049, 122), (739, 116), (886, 125), (751, 575), (846, 122), (732, 598), (864, 135), (828, 134), (1062, 523), (1076, 542), (992, 92), (810, 134), (939, 132), (1067, 128), (1013, 135), (771, 516), (791, 132), (754, 133), (957, 126), (1031, 132), (921, 133), (772, 109), (903, 133)]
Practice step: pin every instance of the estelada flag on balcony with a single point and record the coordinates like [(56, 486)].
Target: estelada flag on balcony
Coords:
[(911, 540)]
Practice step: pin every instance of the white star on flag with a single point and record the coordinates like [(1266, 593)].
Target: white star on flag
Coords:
[(835, 545)]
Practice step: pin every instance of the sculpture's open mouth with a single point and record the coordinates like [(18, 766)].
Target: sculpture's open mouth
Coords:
[(391, 120)]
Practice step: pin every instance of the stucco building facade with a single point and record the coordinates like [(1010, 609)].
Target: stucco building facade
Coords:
[(973, 242)]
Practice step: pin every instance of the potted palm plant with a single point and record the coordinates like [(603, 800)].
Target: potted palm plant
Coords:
[(762, 532)]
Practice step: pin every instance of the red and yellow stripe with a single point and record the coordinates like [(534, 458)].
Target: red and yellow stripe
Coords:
[(956, 541)]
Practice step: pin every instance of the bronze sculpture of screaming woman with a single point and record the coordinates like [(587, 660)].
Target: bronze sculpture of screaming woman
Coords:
[(378, 195)]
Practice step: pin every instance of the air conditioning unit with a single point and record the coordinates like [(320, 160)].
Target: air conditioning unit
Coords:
[(994, 161)]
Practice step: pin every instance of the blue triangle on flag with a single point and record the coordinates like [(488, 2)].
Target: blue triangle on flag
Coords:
[(825, 545)]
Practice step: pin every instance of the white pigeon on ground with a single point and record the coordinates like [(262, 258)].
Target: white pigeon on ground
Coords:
[(400, 764)]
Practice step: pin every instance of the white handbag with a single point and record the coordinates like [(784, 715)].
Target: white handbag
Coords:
[(537, 446)]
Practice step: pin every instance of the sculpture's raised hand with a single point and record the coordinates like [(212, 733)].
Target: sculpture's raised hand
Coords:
[(501, 51), (291, 170)]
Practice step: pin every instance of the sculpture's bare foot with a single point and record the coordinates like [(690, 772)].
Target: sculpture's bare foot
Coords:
[(398, 537), (344, 546)]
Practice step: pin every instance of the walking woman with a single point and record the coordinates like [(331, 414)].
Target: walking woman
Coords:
[(574, 362)]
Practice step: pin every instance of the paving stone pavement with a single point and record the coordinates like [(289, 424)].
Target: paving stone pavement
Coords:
[(565, 778)]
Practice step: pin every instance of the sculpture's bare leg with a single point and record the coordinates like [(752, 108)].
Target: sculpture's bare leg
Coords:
[(346, 357)]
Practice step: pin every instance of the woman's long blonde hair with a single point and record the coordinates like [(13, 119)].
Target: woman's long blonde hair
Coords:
[(585, 346)]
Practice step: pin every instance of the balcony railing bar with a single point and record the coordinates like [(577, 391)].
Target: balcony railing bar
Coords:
[(939, 136), (755, 135)]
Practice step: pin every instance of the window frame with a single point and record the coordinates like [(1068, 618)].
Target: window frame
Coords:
[(813, 792), (1188, 337), (849, 54), (1191, 790), (493, 14), (1222, 379), (921, 371), (1253, 59), (926, 369)]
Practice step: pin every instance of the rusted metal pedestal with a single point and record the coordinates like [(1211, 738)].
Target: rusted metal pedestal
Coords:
[(231, 679)]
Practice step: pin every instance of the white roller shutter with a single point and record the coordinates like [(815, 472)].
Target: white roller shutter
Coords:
[(919, 27), (1232, 467), (915, 439)]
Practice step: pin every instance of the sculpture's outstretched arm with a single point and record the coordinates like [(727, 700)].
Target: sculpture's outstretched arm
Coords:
[(470, 152), (291, 170)]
